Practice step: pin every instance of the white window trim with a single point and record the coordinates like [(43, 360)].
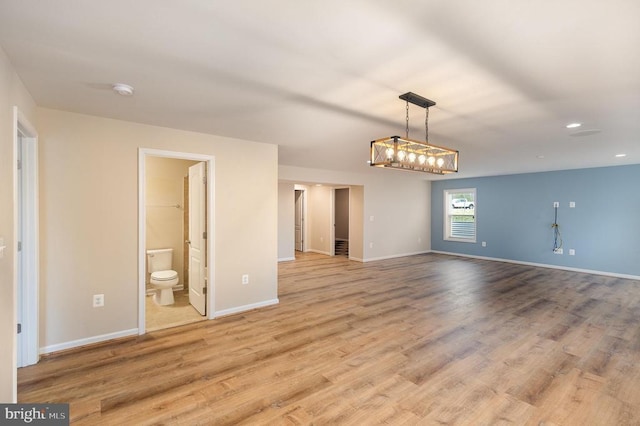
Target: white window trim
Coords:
[(446, 219)]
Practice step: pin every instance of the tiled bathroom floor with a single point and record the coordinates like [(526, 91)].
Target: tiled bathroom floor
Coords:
[(180, 313)]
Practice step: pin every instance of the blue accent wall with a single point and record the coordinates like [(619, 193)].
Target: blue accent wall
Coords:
[(514, 214)]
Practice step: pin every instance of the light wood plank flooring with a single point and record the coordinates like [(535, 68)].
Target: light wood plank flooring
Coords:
[(428, 339)]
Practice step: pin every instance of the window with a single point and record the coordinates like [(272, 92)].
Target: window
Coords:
[(460, 215)]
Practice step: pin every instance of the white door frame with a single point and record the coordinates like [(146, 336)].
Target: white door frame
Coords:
[(25, 273), (306, 232), (303, 212), (142, 232)]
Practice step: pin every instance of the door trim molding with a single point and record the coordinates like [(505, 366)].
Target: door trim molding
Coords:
[(303, 219), (142, 232), (29, 268)]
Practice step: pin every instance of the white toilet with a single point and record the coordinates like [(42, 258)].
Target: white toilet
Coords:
[(163, 278)]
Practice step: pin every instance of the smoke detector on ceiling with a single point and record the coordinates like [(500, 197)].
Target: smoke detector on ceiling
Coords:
[(122, 89)]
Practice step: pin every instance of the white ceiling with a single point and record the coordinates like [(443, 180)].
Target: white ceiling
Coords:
[(322, 78)]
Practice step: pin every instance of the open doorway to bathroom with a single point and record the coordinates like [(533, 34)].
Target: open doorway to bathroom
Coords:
[(174, 210)]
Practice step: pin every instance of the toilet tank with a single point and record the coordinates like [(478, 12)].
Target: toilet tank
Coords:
[(159, 260)]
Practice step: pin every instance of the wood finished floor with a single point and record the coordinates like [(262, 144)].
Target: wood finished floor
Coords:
[(427, 339)]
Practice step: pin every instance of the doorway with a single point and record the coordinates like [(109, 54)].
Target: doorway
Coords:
[(176, 212), (26, 237)]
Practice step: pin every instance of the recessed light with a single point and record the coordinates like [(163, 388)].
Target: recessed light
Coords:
[(540, 157), (621, 155), (573, 125), (122, 89)]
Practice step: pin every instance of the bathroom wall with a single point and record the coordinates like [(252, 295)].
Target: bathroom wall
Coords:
[(165, 206)]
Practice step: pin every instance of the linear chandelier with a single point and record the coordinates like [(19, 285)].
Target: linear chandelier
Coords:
[(409, 154)]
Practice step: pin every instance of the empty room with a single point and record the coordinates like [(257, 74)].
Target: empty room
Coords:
[(281, 212)]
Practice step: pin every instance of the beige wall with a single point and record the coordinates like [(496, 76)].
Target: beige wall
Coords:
[(165, 206), (12, 93), (356, 222), (398, 201), (286, 221), (319, 216), (89, 221)]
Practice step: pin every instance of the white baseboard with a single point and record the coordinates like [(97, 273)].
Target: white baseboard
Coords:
[(542, 265), (88, 341), (393, 256), (286, 259), (245, 308), (320, 252), (134, 331)]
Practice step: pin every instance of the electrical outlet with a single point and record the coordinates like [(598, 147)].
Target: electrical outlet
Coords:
[(572, 204), (572, 252), (370, 245), (484, 244), (558, 251), (245, 279), (98, 300), (556, 204)]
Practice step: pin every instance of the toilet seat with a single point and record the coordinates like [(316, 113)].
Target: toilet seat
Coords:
[(164, 281), (164, 275)]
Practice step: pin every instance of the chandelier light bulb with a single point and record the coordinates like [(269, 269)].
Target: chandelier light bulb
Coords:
[(440, 162), (431, 161), (401, 155), (412, 157), (389, 152), (422, 159)]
